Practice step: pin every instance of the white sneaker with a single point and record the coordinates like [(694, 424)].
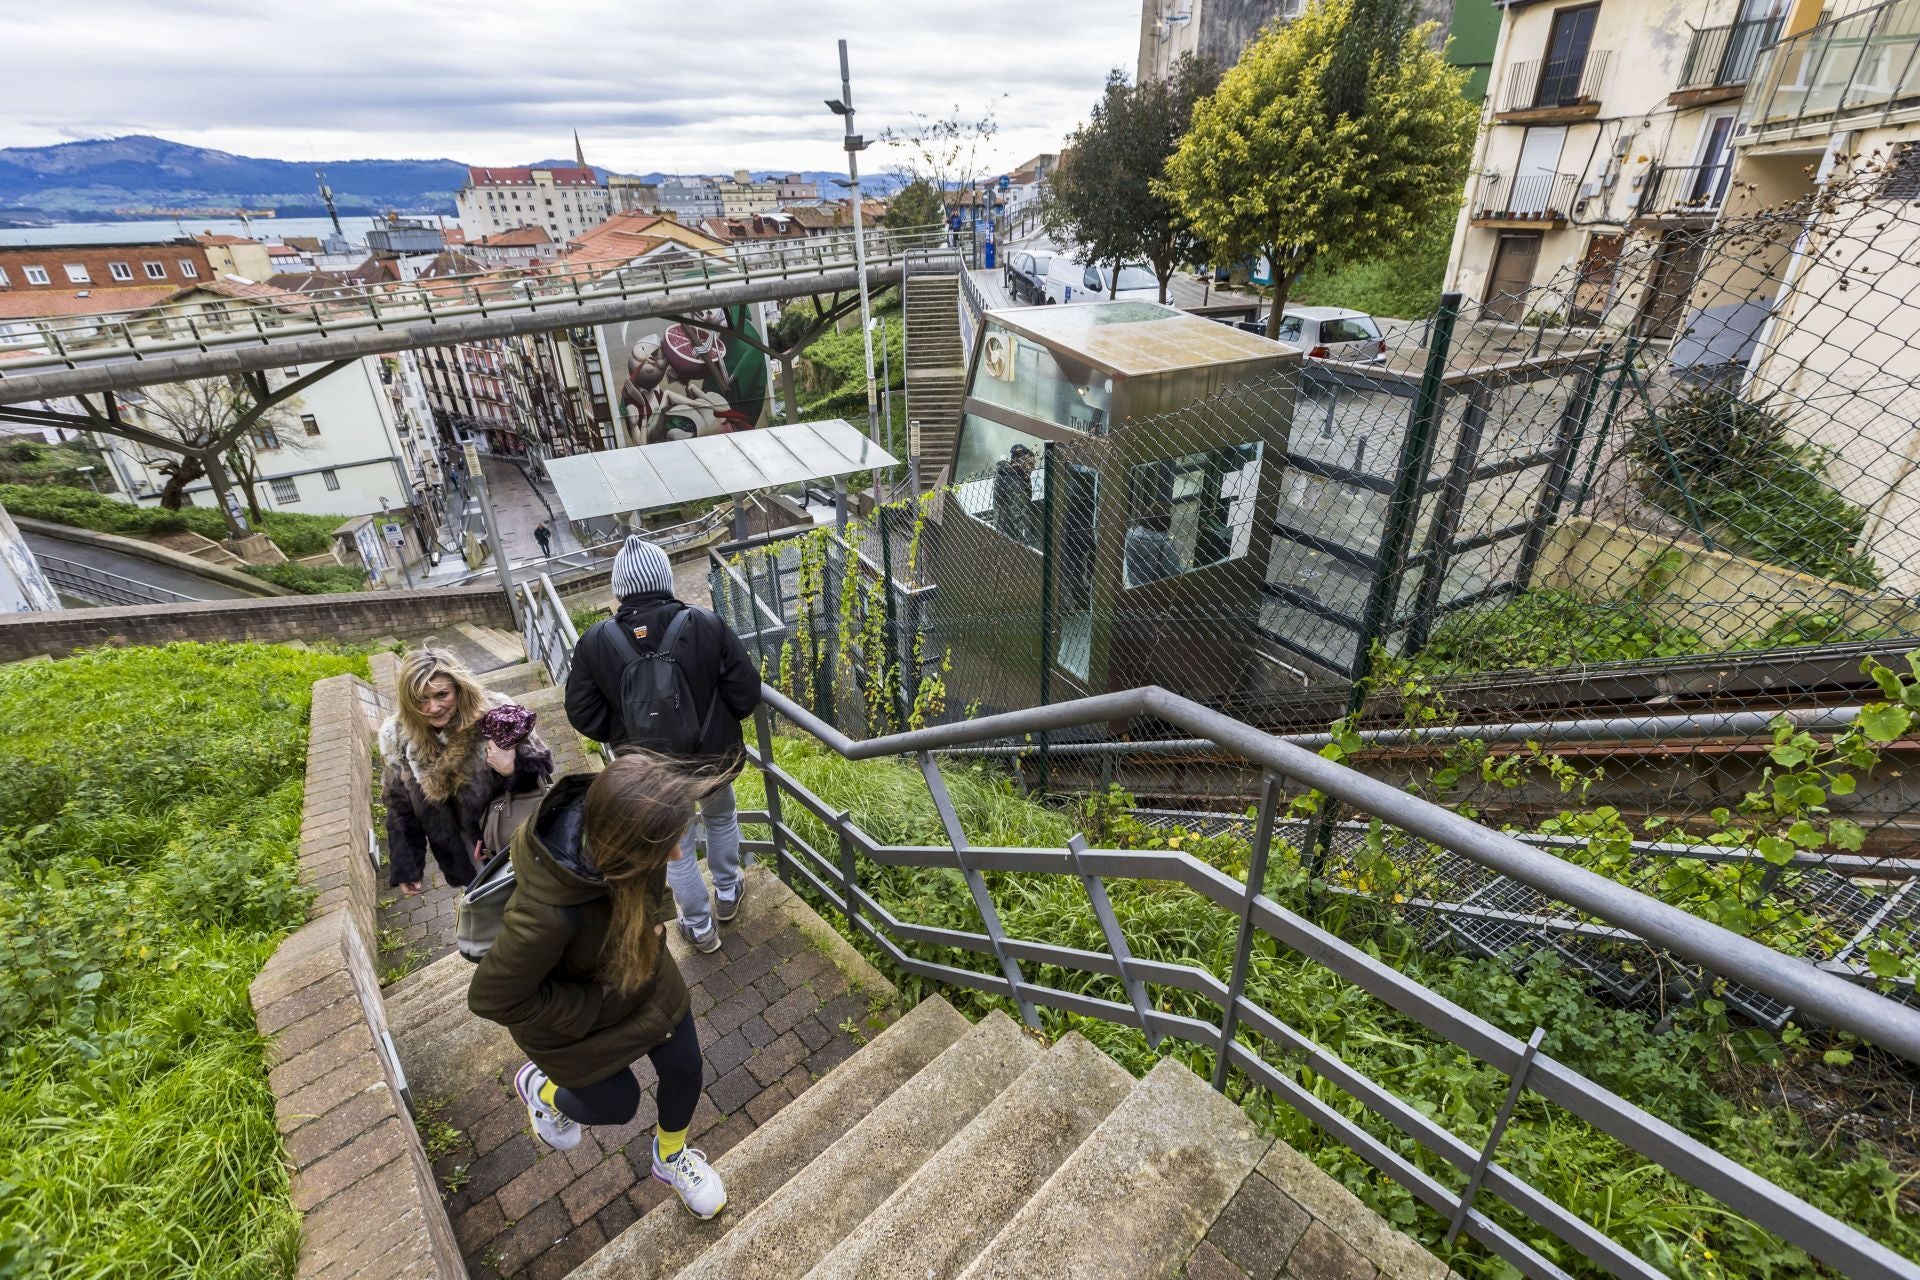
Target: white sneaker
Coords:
[(559, 1131), (693, 1180)]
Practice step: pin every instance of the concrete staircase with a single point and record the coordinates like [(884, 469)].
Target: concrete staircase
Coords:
[(944, 1149), (936, 367)]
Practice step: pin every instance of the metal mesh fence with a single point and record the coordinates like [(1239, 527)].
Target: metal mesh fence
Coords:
[(1622, 562)]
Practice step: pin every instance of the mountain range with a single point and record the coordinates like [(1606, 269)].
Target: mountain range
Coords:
[(108, 177)]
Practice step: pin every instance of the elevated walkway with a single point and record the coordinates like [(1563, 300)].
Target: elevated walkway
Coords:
[(267, 330)]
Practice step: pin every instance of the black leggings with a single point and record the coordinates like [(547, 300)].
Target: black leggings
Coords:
[(615, 1100)]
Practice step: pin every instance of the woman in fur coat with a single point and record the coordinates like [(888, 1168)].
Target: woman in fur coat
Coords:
[(441, 772)]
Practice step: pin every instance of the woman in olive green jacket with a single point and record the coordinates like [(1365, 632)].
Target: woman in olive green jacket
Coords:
[(579, 973)]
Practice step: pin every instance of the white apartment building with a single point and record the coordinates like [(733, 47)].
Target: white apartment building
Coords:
[(688, 201), (566, 201), (339, 450), (1602, 119), (742, 197)]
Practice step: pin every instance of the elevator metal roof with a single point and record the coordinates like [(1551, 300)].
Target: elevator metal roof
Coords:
[(654, 476)]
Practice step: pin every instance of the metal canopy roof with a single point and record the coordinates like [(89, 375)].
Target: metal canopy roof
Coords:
[(649, 477)]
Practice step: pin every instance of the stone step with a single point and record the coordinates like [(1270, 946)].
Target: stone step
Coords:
[(570, 755), (520, 678), (961, 1198), (802, 1221), (421, 994), (503, 645), (669, 1238), (1140, 1192)]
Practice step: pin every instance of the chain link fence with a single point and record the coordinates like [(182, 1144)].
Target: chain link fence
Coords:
[(1624, 563)]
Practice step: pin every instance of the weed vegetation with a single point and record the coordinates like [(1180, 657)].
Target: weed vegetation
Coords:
[(309, 579), (148, 835), (295, 533), (1680, 1074)]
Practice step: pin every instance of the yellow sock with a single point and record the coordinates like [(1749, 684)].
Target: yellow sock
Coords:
[(670, 1144), (548, 1092)]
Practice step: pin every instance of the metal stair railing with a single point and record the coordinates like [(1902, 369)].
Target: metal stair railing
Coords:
[(103, 586), (833, 874)]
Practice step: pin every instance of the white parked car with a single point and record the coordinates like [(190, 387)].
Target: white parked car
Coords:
[(1070, 281), (1333, 333)]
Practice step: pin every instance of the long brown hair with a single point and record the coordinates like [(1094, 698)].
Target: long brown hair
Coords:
[(419, 669), (636, 812)]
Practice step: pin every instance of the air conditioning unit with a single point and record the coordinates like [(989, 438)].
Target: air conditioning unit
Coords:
[(998, 355)]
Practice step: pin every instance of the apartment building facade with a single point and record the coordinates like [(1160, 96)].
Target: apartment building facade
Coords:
[(1603, 120), (689, 200), (742, 197), (68, 268), (566, 201)]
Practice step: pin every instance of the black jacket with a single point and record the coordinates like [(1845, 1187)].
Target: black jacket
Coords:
[(449, 828), (714, 660)]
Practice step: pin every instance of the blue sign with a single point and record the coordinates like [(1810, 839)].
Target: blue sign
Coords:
[(1005, 182)]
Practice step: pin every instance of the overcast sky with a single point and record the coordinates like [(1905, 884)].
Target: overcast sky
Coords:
[(677, 86)]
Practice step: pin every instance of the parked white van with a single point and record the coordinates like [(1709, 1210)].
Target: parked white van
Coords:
[(1069, 281)]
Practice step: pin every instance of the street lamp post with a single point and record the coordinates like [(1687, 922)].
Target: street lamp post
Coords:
[(88, 473), (855, 144)]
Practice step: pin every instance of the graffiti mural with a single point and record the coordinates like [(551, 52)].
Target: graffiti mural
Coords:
[(683, 380)]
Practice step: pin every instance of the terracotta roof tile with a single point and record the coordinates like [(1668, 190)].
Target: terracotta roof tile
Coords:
[(79, 302)]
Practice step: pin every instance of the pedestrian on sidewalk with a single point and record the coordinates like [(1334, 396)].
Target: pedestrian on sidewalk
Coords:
[(544, 536), (664, 676), (580, 975), (440, 772)]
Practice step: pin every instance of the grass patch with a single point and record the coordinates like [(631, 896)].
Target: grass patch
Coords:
[(42, 464), (1676, 1076), (309, 579), (148, 838), (295, 533)]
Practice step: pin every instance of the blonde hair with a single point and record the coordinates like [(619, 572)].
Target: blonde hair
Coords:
[(636, 811), (418, 670)]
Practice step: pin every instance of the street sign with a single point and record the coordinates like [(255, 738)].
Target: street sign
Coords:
[(473, 460), (1005, 182), (395, 535)]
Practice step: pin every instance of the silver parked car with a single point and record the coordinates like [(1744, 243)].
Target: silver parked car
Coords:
[(1333, 333)]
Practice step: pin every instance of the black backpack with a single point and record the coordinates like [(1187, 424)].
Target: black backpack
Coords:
[(656, 701)]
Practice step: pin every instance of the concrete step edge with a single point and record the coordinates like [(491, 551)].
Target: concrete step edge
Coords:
[(801, 1222), (667, 1239), (1141, 1190), (936, 1223)]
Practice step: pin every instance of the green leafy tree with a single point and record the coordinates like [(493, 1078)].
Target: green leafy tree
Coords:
[(915, 205), (1280, 162), (1104, 198)]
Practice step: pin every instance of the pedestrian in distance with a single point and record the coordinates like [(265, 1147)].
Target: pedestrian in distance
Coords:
[(1013, 507), (664, 676), (544, 536), (440, 773), (580, 975)]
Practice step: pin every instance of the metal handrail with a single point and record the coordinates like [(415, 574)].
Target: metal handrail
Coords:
[(267, 315), (833, 874), (105, 586)]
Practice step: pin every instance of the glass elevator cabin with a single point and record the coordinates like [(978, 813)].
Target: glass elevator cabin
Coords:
[(1109, 503)]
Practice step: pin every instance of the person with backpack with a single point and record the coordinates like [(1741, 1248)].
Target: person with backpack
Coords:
[(580, 976), (440, 773), (664, 676)]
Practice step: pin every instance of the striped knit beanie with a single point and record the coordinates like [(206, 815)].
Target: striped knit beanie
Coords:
[(641, 566)]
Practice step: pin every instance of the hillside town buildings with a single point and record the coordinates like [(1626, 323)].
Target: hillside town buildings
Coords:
[(564, 201)]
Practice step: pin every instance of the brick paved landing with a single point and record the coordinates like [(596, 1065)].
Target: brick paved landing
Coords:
[(783, 1002)]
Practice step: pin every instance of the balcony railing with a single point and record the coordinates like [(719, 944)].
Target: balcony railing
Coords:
[(1546, 83), (1723, 57), (1543, 197), (1684, 190), (1867, 63)]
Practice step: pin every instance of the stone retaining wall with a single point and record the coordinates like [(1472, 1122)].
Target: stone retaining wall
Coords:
[(357, 616), (360, 1176)]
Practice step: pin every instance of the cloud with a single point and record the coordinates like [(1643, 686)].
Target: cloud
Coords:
[(650, 85)]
